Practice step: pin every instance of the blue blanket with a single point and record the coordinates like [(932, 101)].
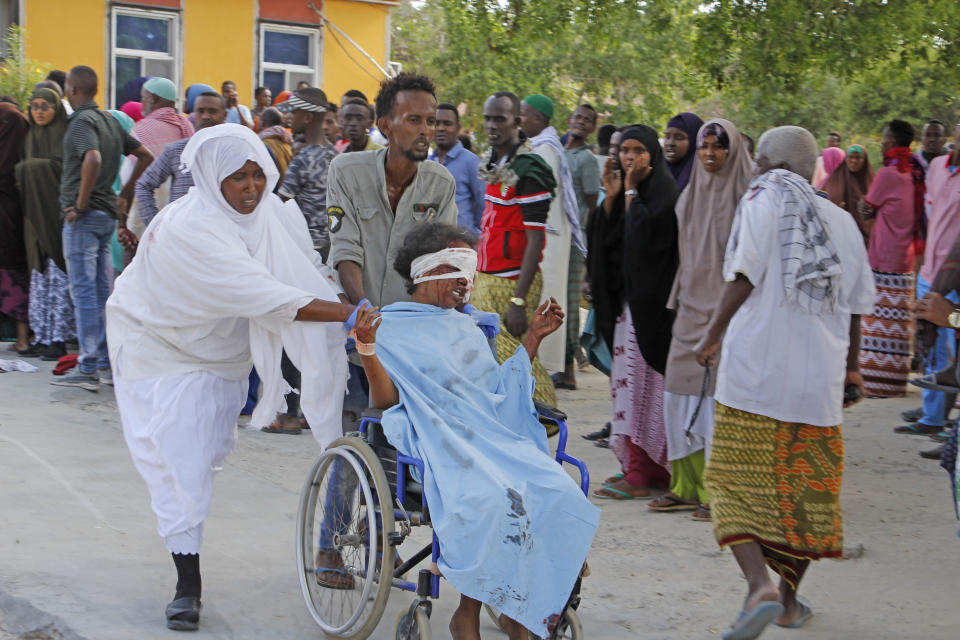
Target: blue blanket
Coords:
[(514, 528)]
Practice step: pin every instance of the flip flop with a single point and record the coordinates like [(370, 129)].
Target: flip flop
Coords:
[(750, 624), (623, 495), (339, 579), (918, 429), (668, 502), (929, 381), (805, 614), (614, 478), (702, 514)]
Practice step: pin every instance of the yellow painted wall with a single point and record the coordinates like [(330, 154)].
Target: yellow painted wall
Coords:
[(219, 44), (367, 24), (65, 33)]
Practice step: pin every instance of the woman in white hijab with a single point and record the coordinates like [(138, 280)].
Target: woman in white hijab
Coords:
[(220, 278)]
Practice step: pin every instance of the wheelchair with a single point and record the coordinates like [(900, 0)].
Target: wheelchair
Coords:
[(361, 480)]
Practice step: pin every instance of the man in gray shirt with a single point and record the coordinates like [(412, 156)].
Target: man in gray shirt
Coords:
[(374, 198)]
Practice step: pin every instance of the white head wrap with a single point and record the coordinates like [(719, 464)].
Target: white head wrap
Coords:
[(462, 259), (220, 267)]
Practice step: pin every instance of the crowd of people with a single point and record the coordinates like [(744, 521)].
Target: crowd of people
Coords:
[(737, 299)]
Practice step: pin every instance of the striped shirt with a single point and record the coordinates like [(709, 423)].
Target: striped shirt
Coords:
[(508, 213), (167, 165)]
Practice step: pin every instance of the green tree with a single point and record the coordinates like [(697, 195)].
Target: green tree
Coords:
[(18, 73)]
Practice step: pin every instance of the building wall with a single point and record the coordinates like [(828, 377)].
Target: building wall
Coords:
[(65, 33), (220, 44), (219, 40), (366, 23)]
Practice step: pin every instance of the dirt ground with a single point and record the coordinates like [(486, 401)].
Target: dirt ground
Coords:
[(79, 553)]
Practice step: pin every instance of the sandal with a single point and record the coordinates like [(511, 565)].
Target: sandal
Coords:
[(560, 383), (611, 493), (669, 502), (702, 513), (603, 443), (284, 424), (805, 614), (917, 429), (335, 576), (617, 477)]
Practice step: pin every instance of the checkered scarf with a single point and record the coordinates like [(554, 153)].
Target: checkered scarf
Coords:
[(808, 258)]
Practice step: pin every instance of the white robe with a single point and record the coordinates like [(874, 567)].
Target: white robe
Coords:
[(210, 292), (555, 265)]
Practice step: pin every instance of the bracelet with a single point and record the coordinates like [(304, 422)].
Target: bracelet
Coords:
[(365, 348), (630, 192)]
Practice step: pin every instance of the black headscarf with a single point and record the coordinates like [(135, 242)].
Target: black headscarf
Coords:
[(690, 124), (633, 256)]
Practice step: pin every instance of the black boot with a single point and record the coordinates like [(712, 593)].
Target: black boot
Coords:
[(183, 614)]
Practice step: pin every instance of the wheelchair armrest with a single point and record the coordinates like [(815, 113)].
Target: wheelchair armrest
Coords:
[(548, 412), (374, 414)]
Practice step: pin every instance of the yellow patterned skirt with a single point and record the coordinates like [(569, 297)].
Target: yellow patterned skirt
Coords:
[(777, 484), (493, 293)]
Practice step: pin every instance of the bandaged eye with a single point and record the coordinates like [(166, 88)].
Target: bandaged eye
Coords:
[(463, 261)]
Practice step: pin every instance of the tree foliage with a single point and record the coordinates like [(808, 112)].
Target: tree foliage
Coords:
[(18, 74), (823, 64)]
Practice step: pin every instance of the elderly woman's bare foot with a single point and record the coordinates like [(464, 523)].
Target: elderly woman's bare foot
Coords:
[(514, 630), (465, 623)]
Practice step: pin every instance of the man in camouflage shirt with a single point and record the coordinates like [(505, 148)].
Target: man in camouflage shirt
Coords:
[(306, 177)]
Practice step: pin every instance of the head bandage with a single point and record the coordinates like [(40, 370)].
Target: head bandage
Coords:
[(462, 259)]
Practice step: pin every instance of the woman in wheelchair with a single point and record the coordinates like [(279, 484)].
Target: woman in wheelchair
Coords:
[(514, 528)]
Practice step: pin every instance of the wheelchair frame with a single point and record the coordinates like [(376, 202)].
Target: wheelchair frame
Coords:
[(427, 586)]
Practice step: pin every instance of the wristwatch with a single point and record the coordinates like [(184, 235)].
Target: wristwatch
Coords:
[(954, 319), (518, 302)]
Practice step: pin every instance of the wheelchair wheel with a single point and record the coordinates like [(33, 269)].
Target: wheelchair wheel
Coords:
[(569, 628), (340, 515), (412, 627)]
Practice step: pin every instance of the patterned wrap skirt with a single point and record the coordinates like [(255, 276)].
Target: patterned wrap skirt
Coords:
[(886, 337), (777, 484), (493, 293)]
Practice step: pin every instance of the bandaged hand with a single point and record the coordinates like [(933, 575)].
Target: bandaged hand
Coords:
[(546, 319), (367, 321)]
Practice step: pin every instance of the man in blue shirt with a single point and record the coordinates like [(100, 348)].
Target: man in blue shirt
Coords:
[(462, 164)]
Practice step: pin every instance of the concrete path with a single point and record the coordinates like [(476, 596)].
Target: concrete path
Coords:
[(79, 554)]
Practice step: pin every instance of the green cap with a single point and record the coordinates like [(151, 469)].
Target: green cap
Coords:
[(541, 103), (162, 88)]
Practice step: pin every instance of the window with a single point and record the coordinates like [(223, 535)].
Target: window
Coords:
[(145, 43), (288, 55)]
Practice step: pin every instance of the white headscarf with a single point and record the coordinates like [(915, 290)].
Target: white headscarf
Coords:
[(201, 263)]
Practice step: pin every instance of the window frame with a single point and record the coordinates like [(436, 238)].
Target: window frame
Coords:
[(175, 41), (315, 55)]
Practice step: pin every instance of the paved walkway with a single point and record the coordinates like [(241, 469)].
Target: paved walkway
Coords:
[(78, 539)]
